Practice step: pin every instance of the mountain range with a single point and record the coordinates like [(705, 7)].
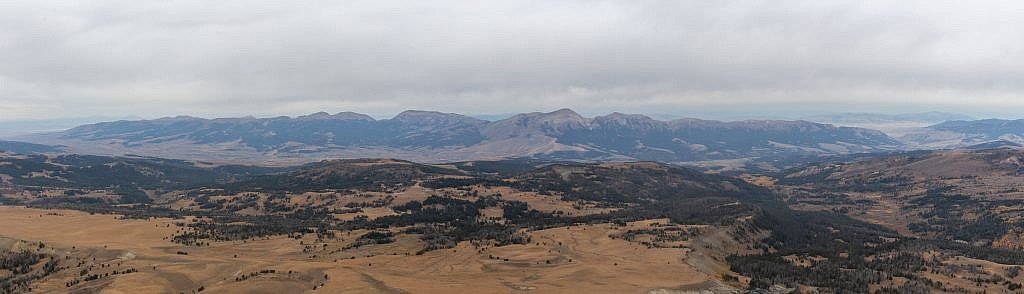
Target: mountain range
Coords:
[(965, 133), (429, 136), (439, 137)]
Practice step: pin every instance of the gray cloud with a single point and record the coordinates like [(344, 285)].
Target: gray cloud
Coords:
[(223, 58)]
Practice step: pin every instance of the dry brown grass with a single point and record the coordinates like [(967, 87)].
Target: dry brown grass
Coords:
[(573, 259)]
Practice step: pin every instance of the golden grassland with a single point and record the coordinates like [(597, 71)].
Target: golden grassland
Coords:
[(571, 259)]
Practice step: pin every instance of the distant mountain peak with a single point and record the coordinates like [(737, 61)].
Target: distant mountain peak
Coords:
[(176, 118), (427, 117), (352, 116), (423, 113), (549, 122), (347, 115), (317, 115), (564, 115), (619, 115), (564, 112), (636, 121)]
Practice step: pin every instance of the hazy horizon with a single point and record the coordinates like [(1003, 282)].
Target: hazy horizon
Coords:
[(722, 60), (14, 128), (708, 114)]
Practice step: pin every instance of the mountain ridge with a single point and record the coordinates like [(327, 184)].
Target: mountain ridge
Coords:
[(438, 137), (966, 133)]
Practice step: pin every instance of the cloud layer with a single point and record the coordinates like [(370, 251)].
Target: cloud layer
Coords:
[(226, 58)]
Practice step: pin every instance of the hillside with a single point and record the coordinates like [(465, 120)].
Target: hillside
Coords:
[(370, 211), (373, 224), (970, 195), (27, 148), (101, 178)]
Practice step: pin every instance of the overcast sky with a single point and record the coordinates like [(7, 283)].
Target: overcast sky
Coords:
[(84, 58)]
